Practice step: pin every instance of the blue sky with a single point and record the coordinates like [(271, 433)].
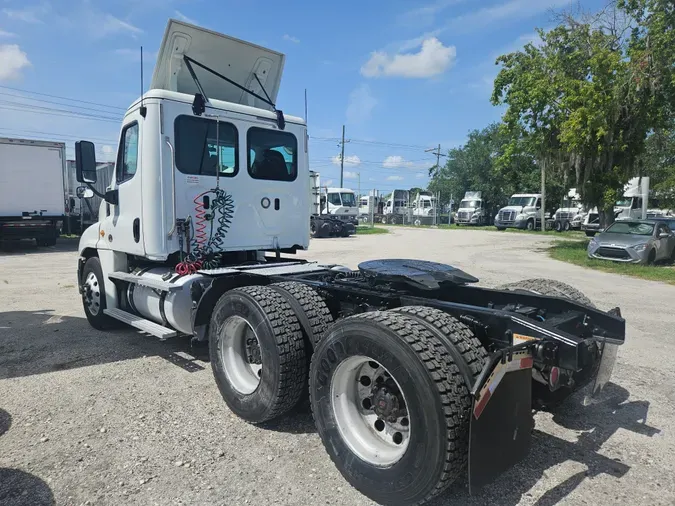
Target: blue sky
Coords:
[(402, 76)]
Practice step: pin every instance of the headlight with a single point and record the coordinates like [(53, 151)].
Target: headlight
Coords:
[(520, 217), (639, 247)]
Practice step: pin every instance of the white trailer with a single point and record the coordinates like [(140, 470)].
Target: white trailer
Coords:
[(212, 187), (32, 189)]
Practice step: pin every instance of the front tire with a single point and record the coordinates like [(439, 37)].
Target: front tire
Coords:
[(257, 353), (391, 407), (590, 233), (93, 296), (529, 225)]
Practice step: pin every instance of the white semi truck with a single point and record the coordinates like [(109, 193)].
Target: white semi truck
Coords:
[(32, 190), (327, 219), (210, 199), (425, 208), (522, 211), (472, 210)]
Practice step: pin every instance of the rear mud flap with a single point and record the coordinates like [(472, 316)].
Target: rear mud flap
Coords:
[(501, 419), (605, 369)]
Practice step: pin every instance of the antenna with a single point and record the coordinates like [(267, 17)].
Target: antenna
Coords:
[(143, 109), (305, 105)]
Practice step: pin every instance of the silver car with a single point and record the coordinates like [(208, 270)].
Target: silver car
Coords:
[(634, 241)]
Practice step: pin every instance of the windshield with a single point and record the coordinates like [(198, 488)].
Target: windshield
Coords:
[(348, 199), (473, 204), (632, 228), (364, 202), (623, 203), (522, 201)]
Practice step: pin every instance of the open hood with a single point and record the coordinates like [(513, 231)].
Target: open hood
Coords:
[(235, 59)]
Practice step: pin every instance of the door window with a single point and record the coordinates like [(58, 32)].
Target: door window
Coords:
[(272, 155), (205, 147), (127, 159), (334, 198)]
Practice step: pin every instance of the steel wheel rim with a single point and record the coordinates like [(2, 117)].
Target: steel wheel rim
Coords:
[(237, 348), (92, 294), (375, 439)]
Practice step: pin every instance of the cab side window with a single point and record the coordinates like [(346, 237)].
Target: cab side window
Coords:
[(127, 158), (272, 155)]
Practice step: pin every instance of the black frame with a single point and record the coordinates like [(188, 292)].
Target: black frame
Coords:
[(276, 132), (119, 167), (200, 119)]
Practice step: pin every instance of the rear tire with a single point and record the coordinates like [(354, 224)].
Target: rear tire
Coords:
[(241, 317), (549, 287), (566, 226), (433, 451), (590, 234), (93, 296), (454, 335), (501, 229)]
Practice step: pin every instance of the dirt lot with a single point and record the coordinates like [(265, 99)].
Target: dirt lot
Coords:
[(120, 418)]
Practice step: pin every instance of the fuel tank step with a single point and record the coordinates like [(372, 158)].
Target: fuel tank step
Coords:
[(151, 328), (143, 281)]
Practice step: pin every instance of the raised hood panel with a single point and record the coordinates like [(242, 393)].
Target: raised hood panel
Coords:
[(235, 59)]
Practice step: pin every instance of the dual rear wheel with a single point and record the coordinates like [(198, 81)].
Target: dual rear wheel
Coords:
[(388, 389)]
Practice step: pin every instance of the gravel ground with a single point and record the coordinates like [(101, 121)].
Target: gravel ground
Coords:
[(120, 418)]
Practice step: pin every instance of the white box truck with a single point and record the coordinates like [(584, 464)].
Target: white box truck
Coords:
[(32, 204)]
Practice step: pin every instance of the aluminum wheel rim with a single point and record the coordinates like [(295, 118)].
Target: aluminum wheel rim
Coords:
[(237, 348), (92, 294), (376, 439)]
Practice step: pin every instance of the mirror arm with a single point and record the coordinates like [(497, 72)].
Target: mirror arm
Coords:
[(96, 192)]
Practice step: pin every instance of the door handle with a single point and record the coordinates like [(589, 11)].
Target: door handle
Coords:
[(276, 204), (137, 229)]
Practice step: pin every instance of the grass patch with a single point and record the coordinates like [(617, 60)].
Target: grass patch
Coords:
[(69, 236), (371, 230), (574, 252)]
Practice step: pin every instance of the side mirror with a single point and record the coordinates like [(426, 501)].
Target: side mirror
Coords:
[(664, 235), (85, 162), (83, 192)]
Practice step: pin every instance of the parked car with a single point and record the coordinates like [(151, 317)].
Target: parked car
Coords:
[(634, 241)]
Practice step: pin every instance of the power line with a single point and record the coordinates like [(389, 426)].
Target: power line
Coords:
[(53, 102), (15, 131), (69, 114), (63, 98), (379, 143)]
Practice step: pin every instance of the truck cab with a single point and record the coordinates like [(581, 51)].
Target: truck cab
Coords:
[(341, 203), (424, 208), (522, 211), (571, 214), (471, 210), (396, 207)]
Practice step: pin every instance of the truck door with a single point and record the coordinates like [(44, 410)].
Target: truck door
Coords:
[(121, 226)]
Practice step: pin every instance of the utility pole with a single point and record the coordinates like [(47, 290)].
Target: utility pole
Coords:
[(437, 152), (342, 157)]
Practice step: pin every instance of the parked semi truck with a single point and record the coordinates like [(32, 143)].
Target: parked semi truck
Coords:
[(472, 210), (522, 211), (425, 208), (395, 209), (32, 190), (326, 219), (571, 214), (415, 373)]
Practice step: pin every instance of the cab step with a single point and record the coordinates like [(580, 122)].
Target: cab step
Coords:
[(162, 286), (142, 324)]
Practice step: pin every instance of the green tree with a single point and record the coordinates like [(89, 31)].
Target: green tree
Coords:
[(588, 96)]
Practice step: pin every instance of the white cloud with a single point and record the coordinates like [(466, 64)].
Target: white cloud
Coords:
[(12, 61), (395, 178), (110, 25), (8, 35), (426, 14), (328, 182), (361, 105), (32, 15), (183, 17), (420, 176), (394, 161), (106, 149), (290, 38), (432, 59), (514, 9), (350, 161), (350, 175)]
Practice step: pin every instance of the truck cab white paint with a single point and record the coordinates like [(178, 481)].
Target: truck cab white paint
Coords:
[(522, 211), (471, 209)]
